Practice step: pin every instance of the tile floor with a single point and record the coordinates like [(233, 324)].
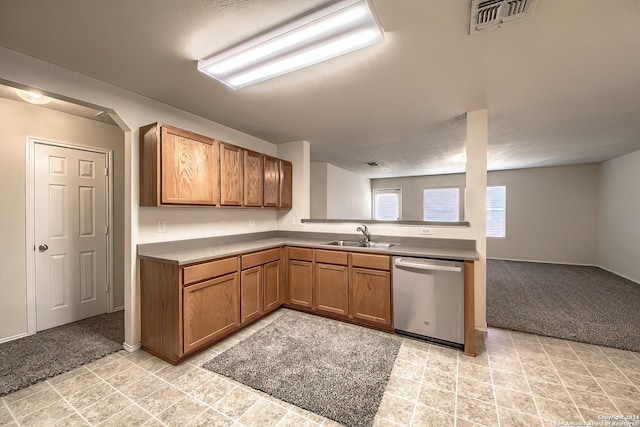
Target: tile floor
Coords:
[(517, 379)]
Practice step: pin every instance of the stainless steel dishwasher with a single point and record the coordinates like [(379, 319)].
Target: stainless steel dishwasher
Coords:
[(428, 299)]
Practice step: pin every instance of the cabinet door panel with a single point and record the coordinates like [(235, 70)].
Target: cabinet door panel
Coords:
[(231, 189), (271, 181), (253, 178), (331, 289), (250, 294), (286, 184), (271, 287), (189, 169), (371, 296), (300, 283), (211, 310)]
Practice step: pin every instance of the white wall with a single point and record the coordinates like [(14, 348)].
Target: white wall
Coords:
[(20, 121), (135, 111), (339, 194), (619, 231)]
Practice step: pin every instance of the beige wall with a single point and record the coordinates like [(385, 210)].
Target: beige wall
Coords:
[(21, 120), (134, 111), (413, 188), (619, 231), (552, 214)]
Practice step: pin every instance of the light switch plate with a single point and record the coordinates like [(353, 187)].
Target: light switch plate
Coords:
[(162, 226)]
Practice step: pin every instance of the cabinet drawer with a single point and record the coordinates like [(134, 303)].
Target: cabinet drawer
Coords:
[(209, 270), (378, 262), (332, 257), (259, 258), (302, 254)]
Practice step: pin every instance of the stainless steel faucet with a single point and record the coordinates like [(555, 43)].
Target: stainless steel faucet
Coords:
[(365, 231)]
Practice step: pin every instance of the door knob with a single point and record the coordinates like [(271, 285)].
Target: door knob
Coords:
[(43, 248)]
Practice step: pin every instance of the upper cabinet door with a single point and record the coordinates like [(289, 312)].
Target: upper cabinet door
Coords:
[(253, 178), (231, 188), (286, 184), (189, 168), (271, 181)]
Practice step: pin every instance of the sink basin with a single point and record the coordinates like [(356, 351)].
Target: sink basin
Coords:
[(380, 245), (358, 244), (346, 243)]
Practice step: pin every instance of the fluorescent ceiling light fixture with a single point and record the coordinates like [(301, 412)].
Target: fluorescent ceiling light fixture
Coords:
[(32, 97), (338, 28)]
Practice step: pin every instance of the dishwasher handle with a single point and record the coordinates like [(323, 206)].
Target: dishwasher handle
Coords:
[(423, 264)]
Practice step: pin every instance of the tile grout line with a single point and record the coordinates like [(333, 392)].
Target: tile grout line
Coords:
[(562, 381), (6, 405), (424, 370)]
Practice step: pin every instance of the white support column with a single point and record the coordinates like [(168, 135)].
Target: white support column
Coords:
[(475, 204)]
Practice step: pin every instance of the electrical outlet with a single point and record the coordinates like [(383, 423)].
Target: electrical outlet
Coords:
[(425, 231), (221, 225), (252, 223), (162, 226), (293, 220)]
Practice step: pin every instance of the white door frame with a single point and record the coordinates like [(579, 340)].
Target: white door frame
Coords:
[(30, 222)]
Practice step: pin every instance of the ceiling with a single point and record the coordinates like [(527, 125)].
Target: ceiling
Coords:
[(561, 87)]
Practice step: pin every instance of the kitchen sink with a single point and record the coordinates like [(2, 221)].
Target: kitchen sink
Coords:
[(359, 244), (346, 243)]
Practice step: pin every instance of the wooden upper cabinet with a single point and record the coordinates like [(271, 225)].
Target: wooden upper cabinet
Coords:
[(177, 167), (253, 178), (182, 168), (231, 188), (271, 182), (286, 184)]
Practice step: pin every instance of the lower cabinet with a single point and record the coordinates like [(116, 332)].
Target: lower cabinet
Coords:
[(300, 277), (344, 285), (331, 282), (271, 295), (371, 296), (250, 294), (187, 308), (211, 310), (260, 283)]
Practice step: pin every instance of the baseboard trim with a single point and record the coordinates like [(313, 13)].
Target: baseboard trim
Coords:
[(118, 309), (619, 274), (131, 348), (15, 337), (568, 263), (544, 262)]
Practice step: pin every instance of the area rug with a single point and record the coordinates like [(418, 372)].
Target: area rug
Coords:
[(573, 302), (327, 367), (35, 358)]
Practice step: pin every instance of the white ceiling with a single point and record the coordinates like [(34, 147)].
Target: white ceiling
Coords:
[(561, 87)]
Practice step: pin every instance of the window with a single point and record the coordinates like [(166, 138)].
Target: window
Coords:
[(496, 209), (441, 204), (387, 204)]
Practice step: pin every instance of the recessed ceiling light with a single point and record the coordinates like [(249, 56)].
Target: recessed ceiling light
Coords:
[(33, 97), (339, 28)]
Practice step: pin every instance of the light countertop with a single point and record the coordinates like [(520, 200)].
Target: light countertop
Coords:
[(198, 250)]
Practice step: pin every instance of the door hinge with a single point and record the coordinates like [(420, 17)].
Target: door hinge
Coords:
[(106, 171), (106, 229)]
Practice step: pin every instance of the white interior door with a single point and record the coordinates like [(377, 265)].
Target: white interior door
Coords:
[(70, 233)]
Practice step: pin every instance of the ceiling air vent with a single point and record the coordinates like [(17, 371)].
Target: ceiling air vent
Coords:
[(486, 14)]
